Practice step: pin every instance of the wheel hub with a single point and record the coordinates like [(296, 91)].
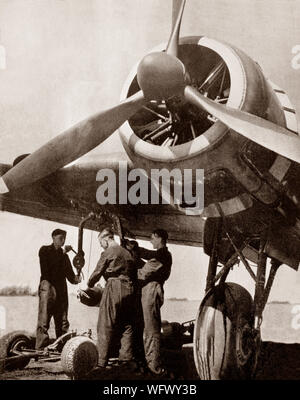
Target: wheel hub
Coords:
[(17, 346), (245, 344)]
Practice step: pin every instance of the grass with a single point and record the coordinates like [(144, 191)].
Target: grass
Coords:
[(17, 291)]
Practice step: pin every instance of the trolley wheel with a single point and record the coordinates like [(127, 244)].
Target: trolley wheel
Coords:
[(225, 346), (10, 344), (79, 356)]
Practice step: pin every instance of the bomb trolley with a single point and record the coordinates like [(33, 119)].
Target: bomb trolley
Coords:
[(78, 354)]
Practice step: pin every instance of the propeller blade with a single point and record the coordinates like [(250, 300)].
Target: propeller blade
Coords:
[(70, 145), (259, 130), (177, 12)]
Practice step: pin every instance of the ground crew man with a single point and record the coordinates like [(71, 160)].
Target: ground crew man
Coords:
[(53, 294), (151, 278), (117, 305)]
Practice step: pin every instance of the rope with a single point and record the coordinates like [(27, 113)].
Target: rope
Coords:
[(89, 261), (90, 252)]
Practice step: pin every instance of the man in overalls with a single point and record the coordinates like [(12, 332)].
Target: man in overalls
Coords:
[(151, 278), (117, 305), (53, 294)]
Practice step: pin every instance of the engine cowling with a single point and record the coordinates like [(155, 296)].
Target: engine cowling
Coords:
[(170, 135)]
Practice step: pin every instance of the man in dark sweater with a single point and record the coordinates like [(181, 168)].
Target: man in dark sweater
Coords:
[(117, 305), (151, 278), (53, 294)]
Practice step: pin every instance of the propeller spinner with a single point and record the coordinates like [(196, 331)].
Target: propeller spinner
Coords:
[(161, 76)]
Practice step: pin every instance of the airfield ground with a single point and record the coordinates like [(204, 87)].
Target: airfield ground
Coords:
[(279, 361)]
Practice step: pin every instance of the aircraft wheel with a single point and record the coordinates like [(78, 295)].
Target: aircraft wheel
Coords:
[(224, 344), (79, 356), (10, 345)]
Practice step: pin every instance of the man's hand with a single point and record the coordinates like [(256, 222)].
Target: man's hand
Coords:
[(149, 269), (67, 248), (82, 293), (77, 279)]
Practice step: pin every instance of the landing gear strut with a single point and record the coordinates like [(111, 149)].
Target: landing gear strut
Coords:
[(227, 328)]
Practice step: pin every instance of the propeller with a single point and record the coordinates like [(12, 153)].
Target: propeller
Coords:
[(160, 76), (259, 130), (177, 12), (70, 145)]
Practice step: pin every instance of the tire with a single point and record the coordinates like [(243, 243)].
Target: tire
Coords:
[(224, 344), (79, 356), (14, 341)]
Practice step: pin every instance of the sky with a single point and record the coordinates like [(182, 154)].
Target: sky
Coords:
[(66, 60)]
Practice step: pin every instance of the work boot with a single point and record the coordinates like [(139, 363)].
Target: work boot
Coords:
[(132, 365), (142, 367), (160, 372), (103, 367)]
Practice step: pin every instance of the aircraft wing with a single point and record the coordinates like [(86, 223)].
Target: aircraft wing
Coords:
[(69, 195)]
